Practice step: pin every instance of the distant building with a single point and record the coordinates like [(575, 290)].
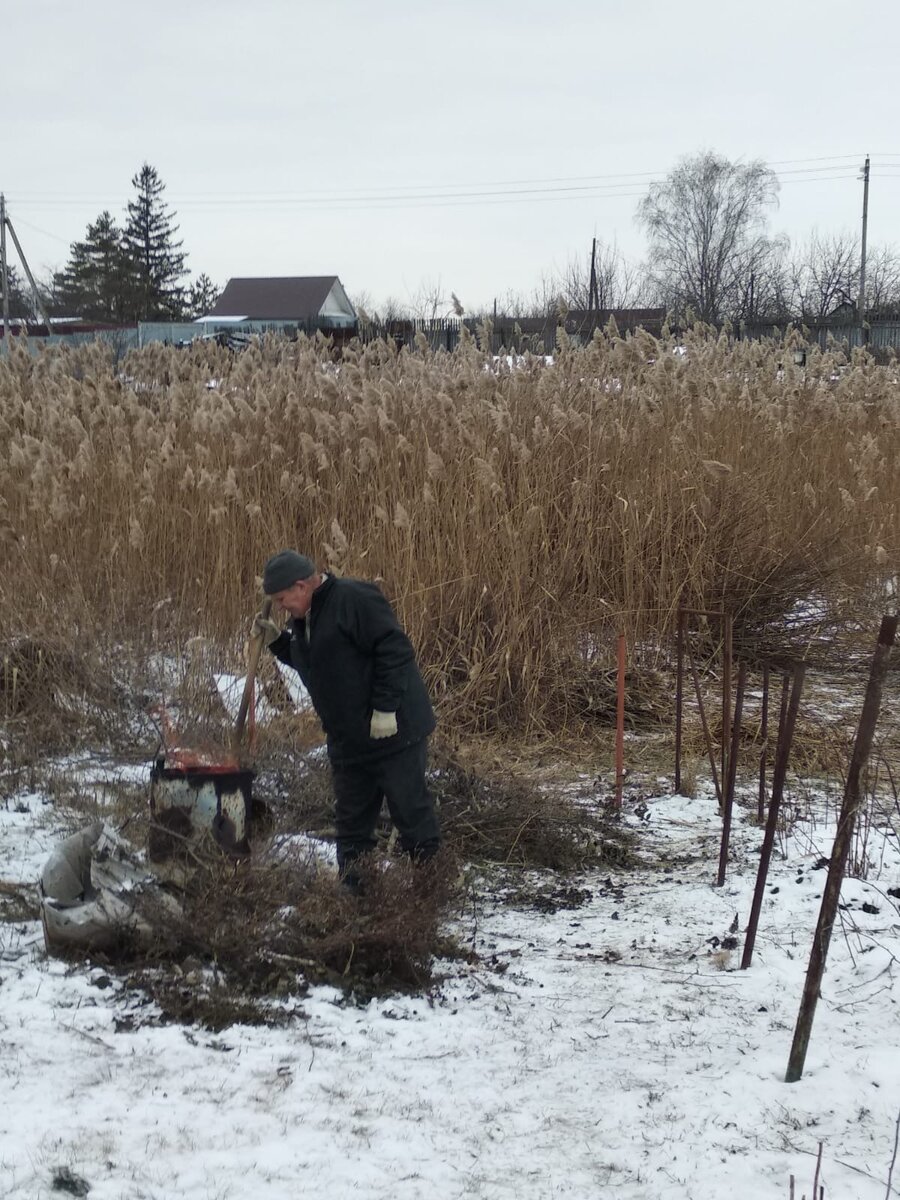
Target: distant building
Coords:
[(847, 310), (307, 301), (579, 324), (582, 322)]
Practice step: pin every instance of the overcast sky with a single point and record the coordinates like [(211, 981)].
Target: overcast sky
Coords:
[(392, 144)]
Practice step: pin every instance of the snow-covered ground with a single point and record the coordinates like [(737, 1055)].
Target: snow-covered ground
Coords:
[(608, 1050)]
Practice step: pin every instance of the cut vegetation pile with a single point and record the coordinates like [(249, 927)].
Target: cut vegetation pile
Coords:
[(244, 937), (513, 822), (253, 934)]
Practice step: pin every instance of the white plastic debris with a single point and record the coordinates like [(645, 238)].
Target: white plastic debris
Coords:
[(91, 887)]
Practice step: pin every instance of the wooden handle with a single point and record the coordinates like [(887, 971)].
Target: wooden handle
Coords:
[(256, 645)]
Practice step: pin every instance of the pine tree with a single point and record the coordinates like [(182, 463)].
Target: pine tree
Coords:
[(156, 258), (96, 282), (203, 295)]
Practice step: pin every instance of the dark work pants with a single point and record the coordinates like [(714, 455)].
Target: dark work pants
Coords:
[(400, 780)]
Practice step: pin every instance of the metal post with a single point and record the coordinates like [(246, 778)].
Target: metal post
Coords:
[(862, 258), (764, 752), (732, 772), (703, 721), (841, 849), (593, 301), (726, 694), (779, 774), (782, 712), (620, 720), (679, 695)]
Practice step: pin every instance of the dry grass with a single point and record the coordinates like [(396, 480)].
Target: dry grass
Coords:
[(18, 902), (518, 518)]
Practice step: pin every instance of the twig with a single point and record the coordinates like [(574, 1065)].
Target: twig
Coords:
[(887, 1194), (522, 829), (89, 1037), (841, 1162), (816, 1176), (846, 939)]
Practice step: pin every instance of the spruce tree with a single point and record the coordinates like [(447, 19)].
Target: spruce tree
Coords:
[(155, 257), (96, 282), (202, 297)]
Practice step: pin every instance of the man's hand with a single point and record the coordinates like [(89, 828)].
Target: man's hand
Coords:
[(384, 724), (265, 628)]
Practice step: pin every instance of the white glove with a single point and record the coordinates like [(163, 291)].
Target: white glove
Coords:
[(384, 724), (265, 628)]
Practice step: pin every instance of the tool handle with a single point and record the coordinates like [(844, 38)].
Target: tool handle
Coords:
[(256, 645)]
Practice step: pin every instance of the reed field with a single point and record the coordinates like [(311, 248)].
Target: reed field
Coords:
[(518, 515)]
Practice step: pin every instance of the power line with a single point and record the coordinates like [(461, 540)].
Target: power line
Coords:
[(441, 190), (45, 232), (422, 199), (837, 168)]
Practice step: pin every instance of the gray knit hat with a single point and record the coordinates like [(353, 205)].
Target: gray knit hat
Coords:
[(284, 569)]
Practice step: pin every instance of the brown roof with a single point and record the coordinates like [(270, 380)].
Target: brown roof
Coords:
[(285, 298)]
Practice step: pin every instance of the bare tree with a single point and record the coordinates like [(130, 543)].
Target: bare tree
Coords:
[(619, 282), (392, 309), (883, 280), (540, 303), (762, 293), (824, 273), (706, 224), (430, 301)]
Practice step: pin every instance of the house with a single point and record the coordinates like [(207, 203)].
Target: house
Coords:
[(841, 314), (307, 301)]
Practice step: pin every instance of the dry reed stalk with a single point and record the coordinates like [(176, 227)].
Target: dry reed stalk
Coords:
[(516, 517)]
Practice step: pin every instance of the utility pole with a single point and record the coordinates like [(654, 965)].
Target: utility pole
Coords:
[(593, 298), (4, 274), (38, 302), (862, 260)]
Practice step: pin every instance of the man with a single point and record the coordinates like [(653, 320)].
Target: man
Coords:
[(360, 671)]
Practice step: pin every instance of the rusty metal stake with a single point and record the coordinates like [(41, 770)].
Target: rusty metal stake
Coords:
[(782, 754), (764, 752), (782, 712), (841, 849), (727, 639), (704, 722), (620, 718), (679, 695), (732, 772)]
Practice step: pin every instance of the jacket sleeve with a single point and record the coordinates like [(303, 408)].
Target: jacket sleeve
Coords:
[(375, 630), (281, 647)]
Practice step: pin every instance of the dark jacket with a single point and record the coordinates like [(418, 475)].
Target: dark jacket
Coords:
[(357, 659)]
